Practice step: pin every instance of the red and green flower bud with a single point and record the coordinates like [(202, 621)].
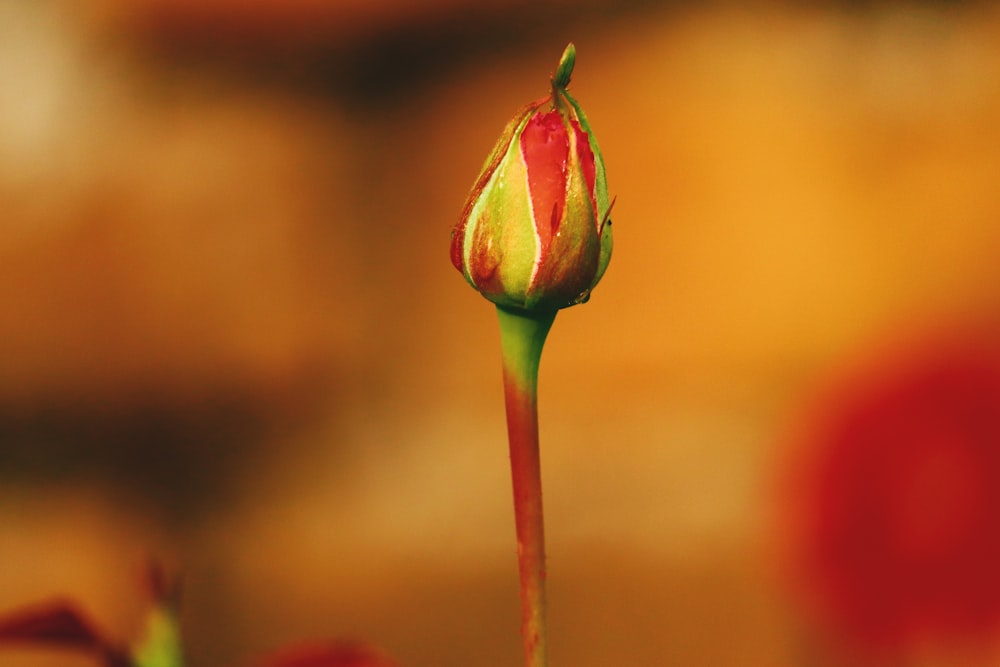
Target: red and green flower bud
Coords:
[(535, 233)]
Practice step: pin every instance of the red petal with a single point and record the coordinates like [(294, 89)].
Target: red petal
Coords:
[(59, 625), (545, 148), (56, 623), (338, 654)]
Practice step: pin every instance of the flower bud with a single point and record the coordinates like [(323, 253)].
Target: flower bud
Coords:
[(535, 233)]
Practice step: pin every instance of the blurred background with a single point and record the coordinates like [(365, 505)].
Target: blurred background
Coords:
[(230, 335)]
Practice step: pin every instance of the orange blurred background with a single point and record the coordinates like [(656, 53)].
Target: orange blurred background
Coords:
[(230, 334)]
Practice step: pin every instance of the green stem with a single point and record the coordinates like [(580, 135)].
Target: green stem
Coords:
[(522, 336)]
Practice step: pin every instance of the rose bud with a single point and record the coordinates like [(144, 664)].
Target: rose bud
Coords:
[(535, 233)]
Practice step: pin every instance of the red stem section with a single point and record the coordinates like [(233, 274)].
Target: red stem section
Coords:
[(522, 432), (523, 336)]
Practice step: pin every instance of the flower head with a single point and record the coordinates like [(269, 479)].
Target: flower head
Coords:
[(899, 499), (535, 233)]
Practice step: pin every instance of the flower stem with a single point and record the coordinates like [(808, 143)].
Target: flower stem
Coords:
[(522, 336)]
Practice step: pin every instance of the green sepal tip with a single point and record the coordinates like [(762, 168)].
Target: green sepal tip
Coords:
[(565, 70)]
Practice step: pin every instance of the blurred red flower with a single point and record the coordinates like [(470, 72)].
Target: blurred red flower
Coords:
[(339, 654), (60, 625), (898, 529)]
